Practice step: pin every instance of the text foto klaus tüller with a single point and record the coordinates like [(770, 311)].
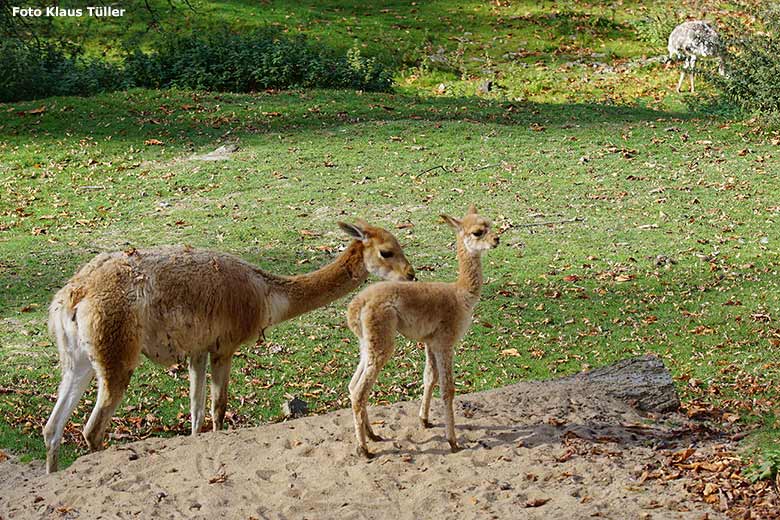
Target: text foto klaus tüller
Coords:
[(98, 11)]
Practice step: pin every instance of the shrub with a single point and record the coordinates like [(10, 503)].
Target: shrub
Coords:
[(222, 62), (753, 66), (31, 72), (767, 468), (243, 63), (655, 29)]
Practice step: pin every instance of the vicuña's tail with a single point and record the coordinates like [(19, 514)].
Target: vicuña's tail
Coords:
[(63, 325)]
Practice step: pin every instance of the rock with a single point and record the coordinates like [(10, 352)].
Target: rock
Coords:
[(485, 87), (220, 154), (295, 408), (643, 382)]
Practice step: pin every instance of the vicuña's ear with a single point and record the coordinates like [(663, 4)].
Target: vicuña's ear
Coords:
[(355, 231), (452, 222), (472, 210)]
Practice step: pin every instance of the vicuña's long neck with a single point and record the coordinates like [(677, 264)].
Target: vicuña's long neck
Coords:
[(296, 295), (469, 270)]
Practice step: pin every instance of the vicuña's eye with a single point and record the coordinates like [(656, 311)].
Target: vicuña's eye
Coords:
[(386, 254), (479, 233)]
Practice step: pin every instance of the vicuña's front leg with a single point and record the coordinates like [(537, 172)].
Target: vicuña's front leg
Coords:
[(430, 378), (197, 369), (220, 375), (447, 389)]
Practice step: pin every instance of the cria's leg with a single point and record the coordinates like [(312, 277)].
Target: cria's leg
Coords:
[(430, 378), (691, 71), (197, 368), (360, 368), (220, 374), (379, 331), (359, 398), (77, 372), (447, 389), (352, 384)]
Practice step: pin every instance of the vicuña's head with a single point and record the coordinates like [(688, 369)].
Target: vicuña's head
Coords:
[(382, 254), (474, 231)]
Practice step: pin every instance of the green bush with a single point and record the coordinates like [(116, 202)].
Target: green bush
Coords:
[(31, 72), (656, 29), (767, 467), (753, 67), (221, 62), (243, 63)]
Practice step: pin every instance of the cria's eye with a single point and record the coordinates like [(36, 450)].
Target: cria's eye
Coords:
[(386, 254), (479, 233)]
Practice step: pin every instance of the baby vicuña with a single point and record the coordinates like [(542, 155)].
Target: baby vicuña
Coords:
[(435, 313)]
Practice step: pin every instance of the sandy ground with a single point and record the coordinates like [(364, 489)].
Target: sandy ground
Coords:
[(553, 449)]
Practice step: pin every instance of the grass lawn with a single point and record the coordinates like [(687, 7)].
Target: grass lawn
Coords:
[(671, 245)]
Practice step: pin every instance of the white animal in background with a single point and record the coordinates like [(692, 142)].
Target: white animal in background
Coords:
[(692, 40)]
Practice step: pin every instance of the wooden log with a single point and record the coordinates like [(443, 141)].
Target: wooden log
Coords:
[(643, 382)]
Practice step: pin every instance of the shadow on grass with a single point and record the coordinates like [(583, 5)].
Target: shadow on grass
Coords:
[(189, 119)]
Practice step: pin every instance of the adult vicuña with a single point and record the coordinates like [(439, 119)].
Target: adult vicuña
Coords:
[(176, 302), (694, 39), (435, 313)]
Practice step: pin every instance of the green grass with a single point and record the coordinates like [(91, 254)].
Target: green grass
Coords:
[(648, 176)]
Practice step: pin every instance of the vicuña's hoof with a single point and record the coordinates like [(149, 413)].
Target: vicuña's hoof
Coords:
[(373, 436), (454, 448), (363, 452), (424, 423), (52, 463)]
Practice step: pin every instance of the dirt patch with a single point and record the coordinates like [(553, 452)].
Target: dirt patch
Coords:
[(534, 450)]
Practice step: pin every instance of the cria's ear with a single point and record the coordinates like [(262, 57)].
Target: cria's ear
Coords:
[(355, 231), (472, 210), (362, 223), (452, 222)]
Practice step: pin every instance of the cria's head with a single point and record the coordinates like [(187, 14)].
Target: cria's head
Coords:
[(474, 230)]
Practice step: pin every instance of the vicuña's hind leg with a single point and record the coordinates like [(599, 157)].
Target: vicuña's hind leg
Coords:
[(197, 369), (220, 375), (353, 383), (77, 372), (379, 330), (359, 398), (430, 378), (111, 388)]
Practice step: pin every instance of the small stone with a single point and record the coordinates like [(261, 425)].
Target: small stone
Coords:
[(485, 87), (295, 408)]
